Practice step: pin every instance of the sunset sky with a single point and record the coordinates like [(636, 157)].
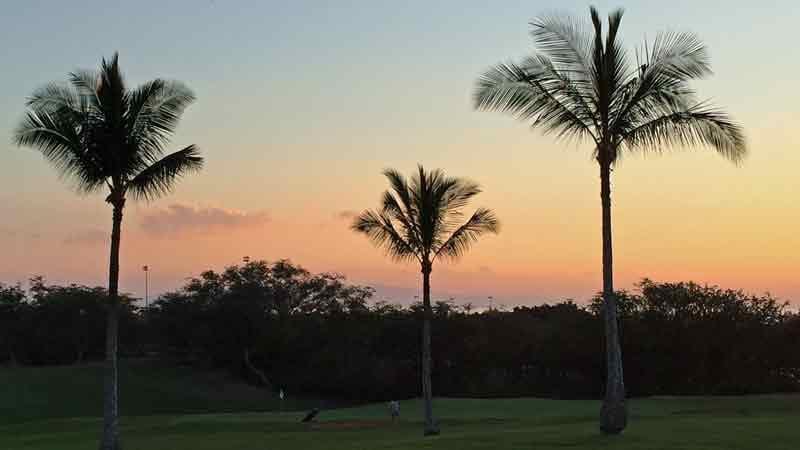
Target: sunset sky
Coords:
[(301, 105)]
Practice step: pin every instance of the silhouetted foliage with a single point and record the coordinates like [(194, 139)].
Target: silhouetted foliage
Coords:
[(693, 339), (334, 340), (12, 312), (242, 317), (50, 324)]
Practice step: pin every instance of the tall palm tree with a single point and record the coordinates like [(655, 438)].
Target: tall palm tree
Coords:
[(584, 85), (102, 136), (422, 220)]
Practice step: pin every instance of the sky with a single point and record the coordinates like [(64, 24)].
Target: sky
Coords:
[(301, 105)]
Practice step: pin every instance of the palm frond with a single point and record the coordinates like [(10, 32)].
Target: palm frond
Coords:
[(609, 63), (56, 137), (381, 231), (565, 41), (533, 93), (399, 205), (597, 51), (697, 125), (676, 55), (111, 90), (403, 217), (154, 111), (456, 194), (444, 201), (426, 214), (159, 178), (54, 97), (138, 101), (660, 85), (615, 56), (400, 187), (461, 240), (85, 80), (575, 87)]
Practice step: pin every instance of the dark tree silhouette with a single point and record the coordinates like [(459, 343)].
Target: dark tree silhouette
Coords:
[(102, 136), (420, 220), (584, 85), (12, 302), (679, 338)]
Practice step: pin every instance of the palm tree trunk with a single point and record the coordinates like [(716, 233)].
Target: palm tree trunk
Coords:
[(613, 414), (427, 389), (110, 440), (248, 363)]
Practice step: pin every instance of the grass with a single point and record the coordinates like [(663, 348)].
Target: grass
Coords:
[(761, 422), (147, 387)]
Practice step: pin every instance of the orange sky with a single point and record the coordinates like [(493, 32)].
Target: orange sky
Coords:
[(296, 133), (681, 216)]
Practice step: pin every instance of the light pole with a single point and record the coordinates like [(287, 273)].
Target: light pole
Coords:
[(146, 270)]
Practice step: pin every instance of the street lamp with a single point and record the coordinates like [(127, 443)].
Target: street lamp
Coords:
[(146, 270)]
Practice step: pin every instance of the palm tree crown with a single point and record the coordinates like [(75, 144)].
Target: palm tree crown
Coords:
[(586, 86), (98, 134), (422, 219)]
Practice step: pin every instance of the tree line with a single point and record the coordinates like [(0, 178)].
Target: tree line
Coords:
[(282, 327)]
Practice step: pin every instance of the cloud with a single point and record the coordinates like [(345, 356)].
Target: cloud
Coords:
[(179, 218), (87, 237), (347, 214), (19, 234)]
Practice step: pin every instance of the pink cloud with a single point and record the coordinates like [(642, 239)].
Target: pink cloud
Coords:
[(347, 214), (180, 218)]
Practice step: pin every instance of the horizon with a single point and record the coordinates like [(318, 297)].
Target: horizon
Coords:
[(283, 179)]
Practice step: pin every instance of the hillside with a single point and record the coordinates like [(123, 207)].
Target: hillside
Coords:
[(147, 387)]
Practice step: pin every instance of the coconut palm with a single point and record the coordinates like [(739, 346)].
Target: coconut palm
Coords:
[(582, 84), (103, 137), (422, 220)]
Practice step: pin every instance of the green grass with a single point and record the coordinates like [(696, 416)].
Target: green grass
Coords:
[(147, 387), (761, 422)]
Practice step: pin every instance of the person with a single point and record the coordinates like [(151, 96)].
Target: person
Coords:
[(394, 409)]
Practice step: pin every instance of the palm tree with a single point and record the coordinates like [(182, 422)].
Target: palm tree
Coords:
[(585, 86), (101, 136), (421, 220)]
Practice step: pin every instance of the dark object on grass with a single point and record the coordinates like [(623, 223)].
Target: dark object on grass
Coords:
[(311, 415)]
